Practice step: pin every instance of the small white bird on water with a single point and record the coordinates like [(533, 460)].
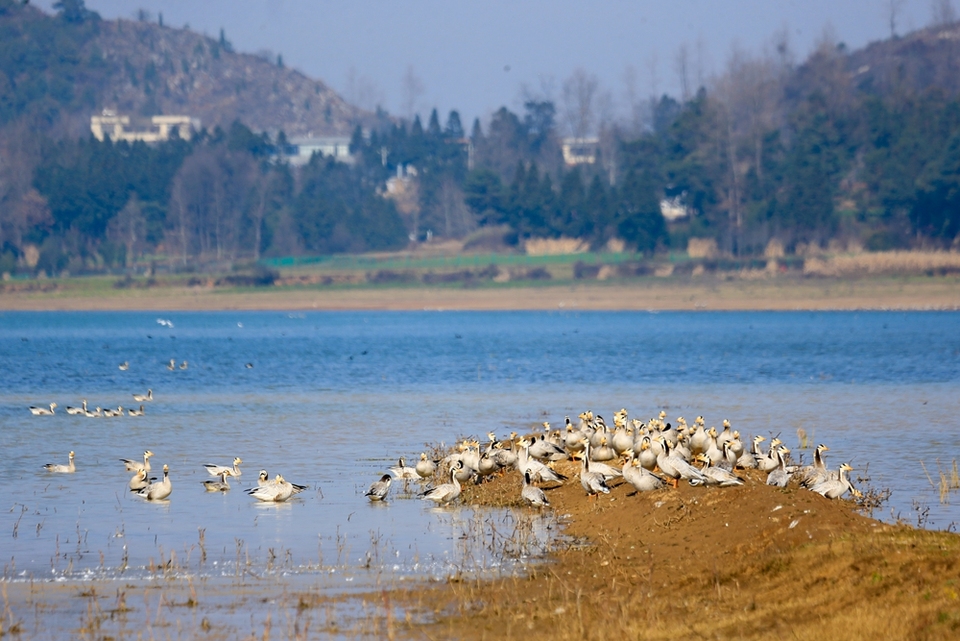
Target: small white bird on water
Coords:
[(69, 468), (134, 466), (42, 411), (276, 491), (143, 398), (217, 470)]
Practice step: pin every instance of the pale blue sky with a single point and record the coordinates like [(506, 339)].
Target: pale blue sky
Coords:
[(476, 56)]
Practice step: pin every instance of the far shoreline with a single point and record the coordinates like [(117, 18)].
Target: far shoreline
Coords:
[(775, 294)]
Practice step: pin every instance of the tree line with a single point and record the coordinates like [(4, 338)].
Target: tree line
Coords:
[(809, 155)]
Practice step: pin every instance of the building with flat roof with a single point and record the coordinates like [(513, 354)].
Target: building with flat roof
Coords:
[(111, 125), (302, 149)]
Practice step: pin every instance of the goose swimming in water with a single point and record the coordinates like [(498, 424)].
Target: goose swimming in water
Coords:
[(446, 493), (276, 491), (217, 470), (69, 468), (124, 366), (183, 365), (143, 398), (76, 411), (378, 489), (139, 480), (134, 466), (42, 411), (218, 486), (133, 412), (158, 491), (401, 471), (172, 365)]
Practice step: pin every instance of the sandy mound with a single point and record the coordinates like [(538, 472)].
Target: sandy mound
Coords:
[(746, 562)]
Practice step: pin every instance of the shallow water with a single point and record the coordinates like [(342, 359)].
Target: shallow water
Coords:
[(333, 399)]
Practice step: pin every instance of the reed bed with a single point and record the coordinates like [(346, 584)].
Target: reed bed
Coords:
[(890, 263), (555, 246)]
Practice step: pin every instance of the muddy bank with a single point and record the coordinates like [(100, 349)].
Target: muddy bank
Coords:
[(747, 562)]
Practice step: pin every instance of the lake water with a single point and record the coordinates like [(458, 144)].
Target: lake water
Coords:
[(333, 399)]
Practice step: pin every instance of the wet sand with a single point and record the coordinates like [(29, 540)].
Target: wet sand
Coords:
[(918, 293)]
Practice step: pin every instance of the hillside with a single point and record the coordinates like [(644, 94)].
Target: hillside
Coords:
[(143, 68)]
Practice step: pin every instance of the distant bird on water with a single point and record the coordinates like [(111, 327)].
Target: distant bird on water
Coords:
[(124, 366), (140, 398), (42, 411), (69, 468), (183, 365)]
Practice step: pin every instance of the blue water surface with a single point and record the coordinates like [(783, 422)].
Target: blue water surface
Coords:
[(333, 398)]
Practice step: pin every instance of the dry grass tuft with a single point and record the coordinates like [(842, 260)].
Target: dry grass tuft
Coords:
[(883, 264), (555, 246)]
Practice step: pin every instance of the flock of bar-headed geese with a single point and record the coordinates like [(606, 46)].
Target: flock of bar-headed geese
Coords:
[(275, 490), (647, 455)]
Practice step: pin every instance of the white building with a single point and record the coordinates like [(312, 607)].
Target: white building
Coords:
[(337, 147), (579, 151), (156, 129)]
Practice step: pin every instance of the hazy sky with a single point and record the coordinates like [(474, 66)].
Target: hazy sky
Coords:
[(476, 56)]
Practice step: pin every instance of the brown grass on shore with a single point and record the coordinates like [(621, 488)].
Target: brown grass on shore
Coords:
[(900, 263), (752, 562)]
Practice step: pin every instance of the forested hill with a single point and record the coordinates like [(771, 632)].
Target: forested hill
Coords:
[(59, 70)]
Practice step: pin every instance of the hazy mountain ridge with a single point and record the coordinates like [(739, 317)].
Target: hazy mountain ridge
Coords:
[(156, 69)]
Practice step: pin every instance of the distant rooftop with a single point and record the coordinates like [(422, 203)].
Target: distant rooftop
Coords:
[(155, 129)]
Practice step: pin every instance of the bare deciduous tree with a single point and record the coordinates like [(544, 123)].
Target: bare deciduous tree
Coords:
[(942, 12), (681, 64), (412, 90), (361, 91), (129, 228), (579, 97)]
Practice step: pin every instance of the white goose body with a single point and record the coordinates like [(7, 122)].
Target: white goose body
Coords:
[(220, 485), (43, 411), (77, 411), (640, 478), (217, 470), (401, 471), (425, 467), (538, 471), (834, 488), (533, 495), (134, 466), (443, 494), (779, 477), (378, 490), (69, 468), (593, 482), (139, 480), (158, 491), (276, 491), (143, 398)]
